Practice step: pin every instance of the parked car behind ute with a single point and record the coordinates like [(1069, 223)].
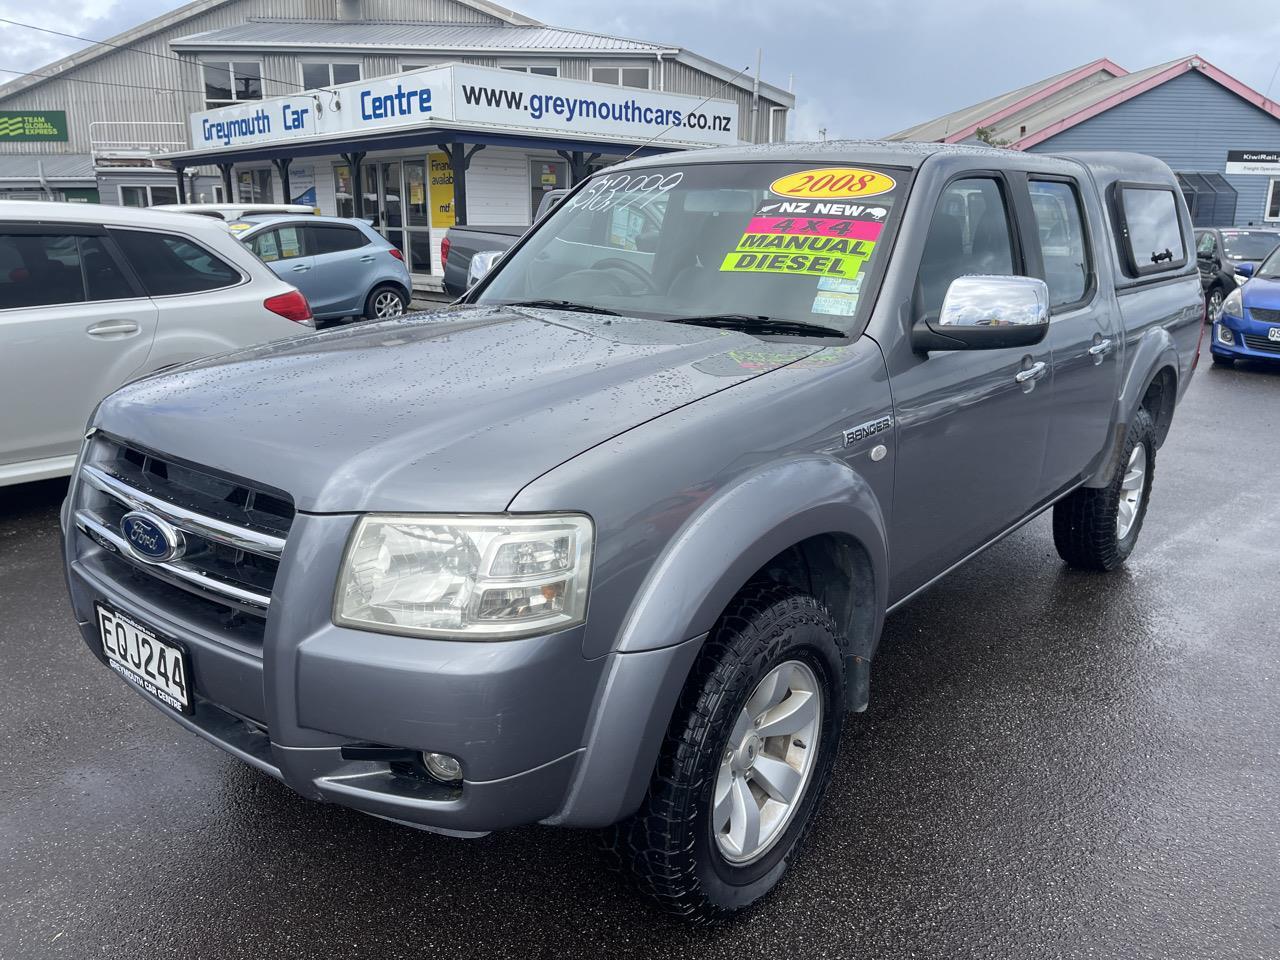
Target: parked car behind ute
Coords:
[(91, 296), (344, 266), (611, 543), (1220, 250)]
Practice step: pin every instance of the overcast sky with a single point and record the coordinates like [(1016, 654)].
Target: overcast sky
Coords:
[(862, 68)]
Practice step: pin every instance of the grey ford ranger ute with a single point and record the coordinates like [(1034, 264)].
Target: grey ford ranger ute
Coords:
[(609, 543)]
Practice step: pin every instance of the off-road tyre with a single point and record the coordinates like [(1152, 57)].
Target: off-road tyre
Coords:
[(668, 844), (1084, 522)]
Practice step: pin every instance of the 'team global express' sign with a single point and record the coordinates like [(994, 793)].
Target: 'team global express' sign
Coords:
[(19, 126)]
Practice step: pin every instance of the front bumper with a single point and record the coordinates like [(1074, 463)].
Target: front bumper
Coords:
[(1251, 339), (517, 714)]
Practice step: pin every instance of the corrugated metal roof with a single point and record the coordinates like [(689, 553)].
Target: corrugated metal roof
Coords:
[(977, 114), (57, 166), (408, 36), (1051, 111)]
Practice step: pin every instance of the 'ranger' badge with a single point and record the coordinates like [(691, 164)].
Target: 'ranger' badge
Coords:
[(868, 429)]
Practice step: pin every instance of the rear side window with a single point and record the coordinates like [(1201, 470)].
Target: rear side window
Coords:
[(1149, 228), (41, 270), (1063, 247), (169, 265), (334, 239)]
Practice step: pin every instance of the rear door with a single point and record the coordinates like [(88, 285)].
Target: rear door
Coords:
[(971, 436), (344, 266), (1083, 330), (74, 326)]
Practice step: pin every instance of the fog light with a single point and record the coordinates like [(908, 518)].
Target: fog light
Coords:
[(1225, 335), (443, 767)]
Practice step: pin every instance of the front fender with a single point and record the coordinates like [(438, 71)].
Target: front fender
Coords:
[(716, 552)]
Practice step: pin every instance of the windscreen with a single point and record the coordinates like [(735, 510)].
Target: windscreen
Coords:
[(788, 241), (1270, 268), (1249, 244)]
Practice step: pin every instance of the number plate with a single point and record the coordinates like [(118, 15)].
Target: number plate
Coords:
[(158, 666)]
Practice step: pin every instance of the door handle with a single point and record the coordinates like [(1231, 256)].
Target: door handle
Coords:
[(301, 268), (1100, 349), (113, 328), (366, 259), (1033, 372)]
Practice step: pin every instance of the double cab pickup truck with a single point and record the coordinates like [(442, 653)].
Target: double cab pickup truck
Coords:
[(610, 543)]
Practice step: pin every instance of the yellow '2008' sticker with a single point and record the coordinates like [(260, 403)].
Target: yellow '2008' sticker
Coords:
[(829, 183)]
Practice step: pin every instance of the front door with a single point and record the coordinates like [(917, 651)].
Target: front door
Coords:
[(1083, 338), (971, 435), (390, 220)]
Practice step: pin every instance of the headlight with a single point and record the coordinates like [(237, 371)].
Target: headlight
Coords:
[(467, 578), (1233, 306)]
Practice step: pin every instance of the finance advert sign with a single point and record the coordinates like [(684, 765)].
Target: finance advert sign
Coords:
[(458, 93)]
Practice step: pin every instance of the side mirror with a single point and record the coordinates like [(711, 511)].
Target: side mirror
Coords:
[(987, 313), (1204, 255), (480, 266), (1245, 270)]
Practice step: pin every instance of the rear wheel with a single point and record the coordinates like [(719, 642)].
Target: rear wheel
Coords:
[(1096, 529), (384, 302), (746, 759)]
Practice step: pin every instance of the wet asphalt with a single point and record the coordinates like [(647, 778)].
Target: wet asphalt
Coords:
[(1054, 764)]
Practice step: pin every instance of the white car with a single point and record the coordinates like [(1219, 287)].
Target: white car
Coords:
[(236, 211), (93, 296)]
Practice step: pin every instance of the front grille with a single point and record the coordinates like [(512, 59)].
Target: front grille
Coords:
[(1263, 315), (234, 533), (1254, 342)]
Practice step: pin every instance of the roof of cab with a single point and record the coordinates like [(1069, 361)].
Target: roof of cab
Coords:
[(1104, 164)]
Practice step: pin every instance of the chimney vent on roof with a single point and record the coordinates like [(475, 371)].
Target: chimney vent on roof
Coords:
[(350, 10)]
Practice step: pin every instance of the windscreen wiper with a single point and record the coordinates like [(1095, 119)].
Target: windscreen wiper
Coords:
[(562, 305), (748, 323)]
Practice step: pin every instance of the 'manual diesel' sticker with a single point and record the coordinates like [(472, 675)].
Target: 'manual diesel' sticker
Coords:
[(829, 183)]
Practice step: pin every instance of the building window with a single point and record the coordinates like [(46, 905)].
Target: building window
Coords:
[(317, 75), (637, 77), (1273, 201), (255, 186), (343, 192), (231, 81), (147, 196), (539, 69)]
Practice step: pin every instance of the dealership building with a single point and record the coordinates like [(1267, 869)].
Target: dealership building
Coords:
[(1219, 136), (415, 114)]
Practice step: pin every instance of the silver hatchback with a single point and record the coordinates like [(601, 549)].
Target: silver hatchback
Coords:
[(343, 266)]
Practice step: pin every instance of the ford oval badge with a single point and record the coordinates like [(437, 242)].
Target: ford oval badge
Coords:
[(151, 538)]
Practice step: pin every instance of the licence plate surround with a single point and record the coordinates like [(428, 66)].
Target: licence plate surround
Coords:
[(123, 636)]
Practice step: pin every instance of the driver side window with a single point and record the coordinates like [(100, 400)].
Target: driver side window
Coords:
[(969, 235)]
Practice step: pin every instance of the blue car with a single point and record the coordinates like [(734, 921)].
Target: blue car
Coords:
[(343, 267), (1248, 325)]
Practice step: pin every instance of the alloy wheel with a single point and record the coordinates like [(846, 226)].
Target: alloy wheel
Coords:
[(1132, 488), (771, 753), (387, 304)]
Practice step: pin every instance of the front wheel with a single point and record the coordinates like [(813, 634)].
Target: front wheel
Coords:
[(1213, 304), (746, 759), (384, 302), (1096, 529)]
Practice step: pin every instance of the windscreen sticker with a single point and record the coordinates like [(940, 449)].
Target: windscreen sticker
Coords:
[(840, 284), (816, 227), (838, 304), (831, 183), (822, 208)]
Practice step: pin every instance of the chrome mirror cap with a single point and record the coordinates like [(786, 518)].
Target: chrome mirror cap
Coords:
[(995, 302), (480, 266)]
